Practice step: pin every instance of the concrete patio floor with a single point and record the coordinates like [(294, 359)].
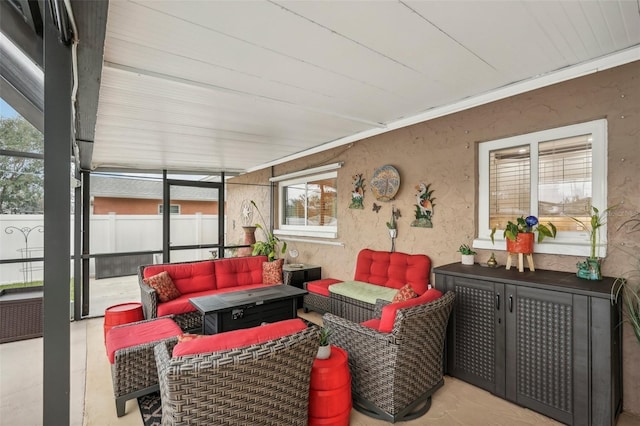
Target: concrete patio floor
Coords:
[(91, 393)]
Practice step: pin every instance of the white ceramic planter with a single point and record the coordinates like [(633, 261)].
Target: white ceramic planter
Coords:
[(468, 259), (393, 233), (324, 352)]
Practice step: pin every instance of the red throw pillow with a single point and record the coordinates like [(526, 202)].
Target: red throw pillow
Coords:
[(164, 286), (272, 272), (405, 293)]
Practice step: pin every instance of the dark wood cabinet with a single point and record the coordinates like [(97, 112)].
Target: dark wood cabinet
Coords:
[(545, 340)]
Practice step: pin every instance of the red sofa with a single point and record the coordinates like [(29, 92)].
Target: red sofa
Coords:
[(195, 279), (375, 268)]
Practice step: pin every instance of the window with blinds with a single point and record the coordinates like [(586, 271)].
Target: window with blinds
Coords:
[(563, 187), (564, 181), (309, 205), (553, 174), (509, 185)]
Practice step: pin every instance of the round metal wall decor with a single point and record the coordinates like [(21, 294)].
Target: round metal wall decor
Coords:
[(385, 183)]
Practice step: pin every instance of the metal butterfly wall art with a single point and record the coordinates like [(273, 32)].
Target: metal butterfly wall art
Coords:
[(376, 208)]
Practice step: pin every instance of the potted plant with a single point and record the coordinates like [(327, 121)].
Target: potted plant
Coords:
[(324, 350), (392, 225), (628, 286), (590, 268), (520, 234), (269, 247), (468, 255)]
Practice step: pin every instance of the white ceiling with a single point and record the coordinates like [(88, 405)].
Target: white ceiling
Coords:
[(239, 85)]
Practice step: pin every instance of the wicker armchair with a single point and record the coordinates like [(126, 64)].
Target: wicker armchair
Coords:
[(266, 384), (395, 374)]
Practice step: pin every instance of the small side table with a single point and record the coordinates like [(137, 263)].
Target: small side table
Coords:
[(330, 390), (296, 274), (300, 273), (123, 313)]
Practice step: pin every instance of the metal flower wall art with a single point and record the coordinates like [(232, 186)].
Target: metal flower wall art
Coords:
[(424, 206), (357, 195)]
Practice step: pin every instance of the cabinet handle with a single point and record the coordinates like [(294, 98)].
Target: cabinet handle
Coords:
[(497, 301), (510, 303)]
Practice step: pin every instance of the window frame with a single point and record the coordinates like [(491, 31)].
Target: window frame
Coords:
[(304, 230), (570, 243), (171, 206)]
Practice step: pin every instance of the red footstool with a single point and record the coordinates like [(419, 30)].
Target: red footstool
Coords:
[(133, 364)]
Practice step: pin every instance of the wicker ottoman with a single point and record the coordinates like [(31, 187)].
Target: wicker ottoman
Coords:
[(133, 364)]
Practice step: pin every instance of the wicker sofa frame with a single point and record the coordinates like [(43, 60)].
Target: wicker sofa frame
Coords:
[(375, 268), (189, 321), (265, 384), (390, 378)]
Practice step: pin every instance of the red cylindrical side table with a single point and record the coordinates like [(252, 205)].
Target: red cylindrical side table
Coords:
[(122, 314), (330, 390)]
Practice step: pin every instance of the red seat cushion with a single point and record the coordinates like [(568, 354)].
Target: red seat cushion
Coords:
[(137, 334), (181, 305), (187, 277), (321, 286), (239, 338), (388, 316)]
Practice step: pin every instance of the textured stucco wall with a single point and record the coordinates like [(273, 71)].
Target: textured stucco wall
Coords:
[(442, 152)]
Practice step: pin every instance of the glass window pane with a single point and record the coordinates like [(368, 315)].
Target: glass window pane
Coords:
[(564, 188), (509, 185), (322, 202), (295, 199)]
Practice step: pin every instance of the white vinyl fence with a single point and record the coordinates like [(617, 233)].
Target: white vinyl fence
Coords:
[(22, 236)]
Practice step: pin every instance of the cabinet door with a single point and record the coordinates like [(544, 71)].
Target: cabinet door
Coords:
[(475, 340), (540, 350)]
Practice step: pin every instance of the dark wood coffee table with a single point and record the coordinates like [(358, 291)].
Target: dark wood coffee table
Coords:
[(247, 308)]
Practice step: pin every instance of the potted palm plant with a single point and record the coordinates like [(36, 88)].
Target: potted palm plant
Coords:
[(590, 268), (324, 350), (269, 247), (628, 286), (467, 254)]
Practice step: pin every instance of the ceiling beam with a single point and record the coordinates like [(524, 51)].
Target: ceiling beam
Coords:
[(91, 21)]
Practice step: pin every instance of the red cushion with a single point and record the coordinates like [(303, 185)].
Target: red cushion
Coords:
[(137, 334), (393, 269), (188, 277), (389, 311), (237, 271), (181, 305), (405, 293), (372, 323), (321, 286), (272, 272), (164, 286), (239, 338)]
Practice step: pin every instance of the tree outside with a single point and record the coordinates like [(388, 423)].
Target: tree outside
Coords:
[(21, 175)]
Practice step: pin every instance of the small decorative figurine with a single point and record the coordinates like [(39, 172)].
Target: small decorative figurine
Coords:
[(492, 262), (424, 207), (357, 195)]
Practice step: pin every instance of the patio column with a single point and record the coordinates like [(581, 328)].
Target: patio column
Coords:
[(57, 245)]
